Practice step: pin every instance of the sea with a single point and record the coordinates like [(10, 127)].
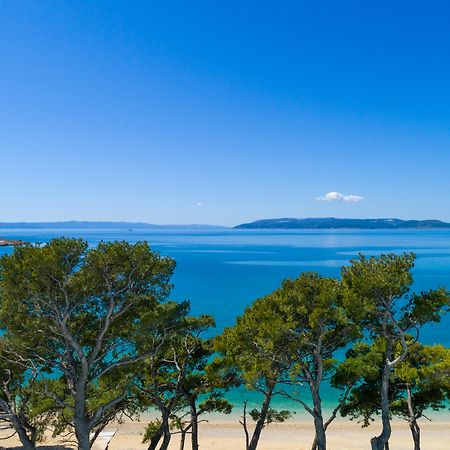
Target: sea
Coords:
[(221, 271)]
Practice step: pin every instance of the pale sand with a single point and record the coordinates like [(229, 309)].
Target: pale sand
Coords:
[(298, 435)]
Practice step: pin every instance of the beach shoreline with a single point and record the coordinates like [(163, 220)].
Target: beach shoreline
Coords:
[(292, 434)]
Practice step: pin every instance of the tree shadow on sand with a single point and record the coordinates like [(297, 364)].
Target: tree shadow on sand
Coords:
[(40, 447)]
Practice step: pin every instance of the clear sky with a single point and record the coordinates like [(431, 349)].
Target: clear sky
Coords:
[(224, 112)]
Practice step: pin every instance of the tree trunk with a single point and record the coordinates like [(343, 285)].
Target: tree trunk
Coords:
[(166, 430), (320, 440), (244, 425), (165, 442), (155, 439), (413, 425), (28, 442), (182, 439), (380, 442), (194, 424), (262, 420), (82, 433), (82, 426), (415, 431)]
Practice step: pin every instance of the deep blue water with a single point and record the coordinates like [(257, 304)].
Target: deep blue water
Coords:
[(222, 271)]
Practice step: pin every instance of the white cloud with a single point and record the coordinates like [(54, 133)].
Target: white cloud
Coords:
[(338, 197)]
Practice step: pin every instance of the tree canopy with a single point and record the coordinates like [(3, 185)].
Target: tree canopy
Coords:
[(89, 334), (379, 288), (86, 312)]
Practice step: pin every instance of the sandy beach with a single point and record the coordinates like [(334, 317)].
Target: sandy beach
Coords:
[(227, 435)]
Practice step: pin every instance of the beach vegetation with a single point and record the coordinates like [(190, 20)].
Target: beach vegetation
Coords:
[(318, 325), (19, 389), (180, 385), (87, 312), (255, 350), (420, 383), (378, 289), (89, 335)]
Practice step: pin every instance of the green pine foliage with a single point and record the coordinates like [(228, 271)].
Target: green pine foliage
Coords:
[(89, 335)]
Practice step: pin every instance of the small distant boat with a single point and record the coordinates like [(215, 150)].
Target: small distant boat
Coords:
[(11, 242)]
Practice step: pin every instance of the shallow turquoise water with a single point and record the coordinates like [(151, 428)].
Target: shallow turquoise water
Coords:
[(222, 271)]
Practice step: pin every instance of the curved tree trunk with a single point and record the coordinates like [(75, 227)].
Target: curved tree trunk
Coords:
[(164, 429), (320, 440), (183, 439), (380, 442), (28, 441), (415, 431), (165, 442), (413, 425), (315, 379), (167, 435), (155, 439), (262, 420)]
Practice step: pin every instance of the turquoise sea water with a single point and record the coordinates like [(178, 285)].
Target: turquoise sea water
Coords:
[(222, 271)]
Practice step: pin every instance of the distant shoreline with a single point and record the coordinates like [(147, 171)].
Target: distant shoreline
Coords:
[(320, 223), (333, 223), (11, 242), (75, 224)]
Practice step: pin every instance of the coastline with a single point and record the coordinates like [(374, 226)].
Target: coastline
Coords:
[(300, 416), (11, 242), (292, 435)]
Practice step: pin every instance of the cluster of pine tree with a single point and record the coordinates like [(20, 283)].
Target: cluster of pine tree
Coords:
[(89, 335)]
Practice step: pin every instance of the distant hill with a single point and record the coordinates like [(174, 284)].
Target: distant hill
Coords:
[(334, 223), (74, 224)]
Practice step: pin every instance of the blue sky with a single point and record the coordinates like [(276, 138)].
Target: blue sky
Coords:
[(224, 112)]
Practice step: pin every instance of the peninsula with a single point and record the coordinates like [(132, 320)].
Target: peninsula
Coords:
[(335, 223), (9, 242)]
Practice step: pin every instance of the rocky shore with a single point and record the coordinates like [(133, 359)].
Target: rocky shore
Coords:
[(8, 242)]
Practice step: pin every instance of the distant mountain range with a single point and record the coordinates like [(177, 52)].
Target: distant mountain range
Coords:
[(334, 223), (284, 223), (74, 224)]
